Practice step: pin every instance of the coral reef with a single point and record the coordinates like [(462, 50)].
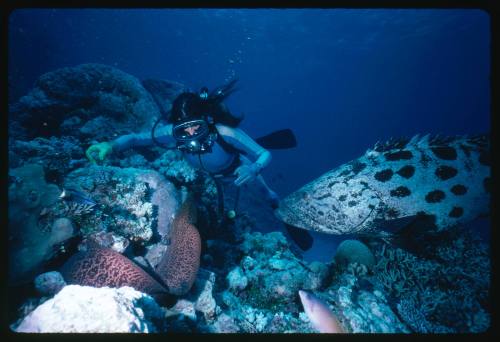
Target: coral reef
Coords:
[(58, 156), (133, 203), (163, 92), (270, 276), (174, 167), (448, 290), (84, 93), (83, 309), (229, 275)]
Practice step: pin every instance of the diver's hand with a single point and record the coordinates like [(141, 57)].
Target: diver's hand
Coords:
[(246, 173), (102, 150)]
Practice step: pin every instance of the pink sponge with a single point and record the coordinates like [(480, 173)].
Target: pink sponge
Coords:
[(179, 265)]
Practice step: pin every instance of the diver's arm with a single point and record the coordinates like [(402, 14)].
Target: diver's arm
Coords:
[(163, 134), (240, 140)]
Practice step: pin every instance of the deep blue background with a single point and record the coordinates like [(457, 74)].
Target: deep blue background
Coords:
[(341, 79)]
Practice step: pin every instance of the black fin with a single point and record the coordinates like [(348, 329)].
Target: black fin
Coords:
[(300, 236), (281, 139), (416, 234)]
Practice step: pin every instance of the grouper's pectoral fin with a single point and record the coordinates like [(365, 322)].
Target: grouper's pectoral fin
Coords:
[(395, 226), (414, 234), (300, 236)]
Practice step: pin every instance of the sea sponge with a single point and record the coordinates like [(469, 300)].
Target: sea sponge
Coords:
[(180, 264), (351, 251), (99, 267), (29, 244)]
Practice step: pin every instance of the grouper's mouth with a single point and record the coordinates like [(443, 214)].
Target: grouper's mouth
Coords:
[(287, 215)]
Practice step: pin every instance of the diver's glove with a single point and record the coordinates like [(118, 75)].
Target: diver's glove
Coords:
[(247, 173), (102, 150)]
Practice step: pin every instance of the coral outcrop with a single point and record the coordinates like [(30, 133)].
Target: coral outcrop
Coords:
[(83, 309), (85, 93)]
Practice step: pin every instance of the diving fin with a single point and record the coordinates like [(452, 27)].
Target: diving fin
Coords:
[(281, 139), (300, 236)]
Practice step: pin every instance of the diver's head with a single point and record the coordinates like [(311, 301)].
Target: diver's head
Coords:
[(187, 106), (192, 128)]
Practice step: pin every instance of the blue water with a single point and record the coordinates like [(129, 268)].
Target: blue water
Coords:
[(341, 79)]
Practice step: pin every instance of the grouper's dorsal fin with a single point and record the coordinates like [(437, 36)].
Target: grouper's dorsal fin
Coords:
[(391, 144)]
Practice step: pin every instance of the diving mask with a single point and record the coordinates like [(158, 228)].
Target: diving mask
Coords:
[(194, 136), (190, 130)]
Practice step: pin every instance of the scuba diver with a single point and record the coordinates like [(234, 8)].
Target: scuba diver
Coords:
[(202, 127)]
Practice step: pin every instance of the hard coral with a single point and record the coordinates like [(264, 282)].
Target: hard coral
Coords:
[(351, 251)]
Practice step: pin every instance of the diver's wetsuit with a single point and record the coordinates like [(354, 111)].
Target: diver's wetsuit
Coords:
[(219, 160)]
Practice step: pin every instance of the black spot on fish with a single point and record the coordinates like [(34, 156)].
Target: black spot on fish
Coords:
[(398, 155), (392, 213), (406, 171), (458, 189), (445, 152), (445, 172), (334, 208), (332, 184), (487, 184), (400, 191), (352, 203), (384, 175), (371, 206), (435, 196), (324, 196), (342, 198), (345, 172), (357, 167), (466, 150), (424, 159), (364, 184), (456, 212), (320, 213), (485, 158)]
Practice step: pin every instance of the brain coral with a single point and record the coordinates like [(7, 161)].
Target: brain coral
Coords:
[(350, 251)]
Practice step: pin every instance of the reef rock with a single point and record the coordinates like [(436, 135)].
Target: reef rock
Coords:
[(84, 309), (274, 275), (361, 310), (32, 240), (58, 156), (48, 284), (83, 93)]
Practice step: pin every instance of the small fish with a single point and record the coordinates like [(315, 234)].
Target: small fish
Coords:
[(320, 315), (73, 195), (403, 187)]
